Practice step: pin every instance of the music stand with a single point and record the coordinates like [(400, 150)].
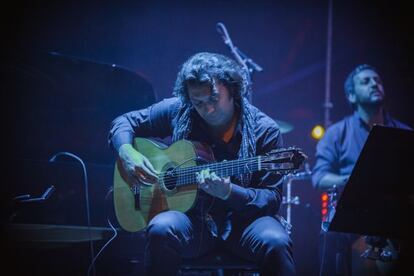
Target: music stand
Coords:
[(378, 198)]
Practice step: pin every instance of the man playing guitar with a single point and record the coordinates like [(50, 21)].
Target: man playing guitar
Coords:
[(239, 212)]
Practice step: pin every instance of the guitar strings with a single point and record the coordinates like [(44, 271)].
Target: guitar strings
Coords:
[(187, 175), (189, 178), (225, 163)]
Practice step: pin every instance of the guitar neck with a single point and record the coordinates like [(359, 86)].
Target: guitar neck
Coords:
[(187, 176), (278, 161)]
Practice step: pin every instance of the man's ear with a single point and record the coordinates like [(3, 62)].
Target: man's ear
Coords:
[(351, 98)]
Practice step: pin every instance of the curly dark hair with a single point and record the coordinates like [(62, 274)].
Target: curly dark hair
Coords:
[(205, 69)]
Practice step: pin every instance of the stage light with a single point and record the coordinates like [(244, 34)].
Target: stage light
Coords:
[(317, 132)]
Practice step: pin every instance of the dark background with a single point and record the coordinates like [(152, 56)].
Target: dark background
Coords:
[(109, 58)]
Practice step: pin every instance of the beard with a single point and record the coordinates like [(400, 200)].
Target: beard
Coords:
[(373, 103), (375, 98)]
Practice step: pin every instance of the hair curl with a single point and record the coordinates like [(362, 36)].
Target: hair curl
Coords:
[(205, 69)]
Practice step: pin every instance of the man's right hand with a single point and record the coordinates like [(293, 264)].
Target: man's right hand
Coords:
[(137, 165)]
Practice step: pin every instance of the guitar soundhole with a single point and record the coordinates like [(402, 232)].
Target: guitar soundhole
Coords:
[(170, 179)]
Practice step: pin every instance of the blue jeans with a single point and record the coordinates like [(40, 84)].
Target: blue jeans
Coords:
[(174, 235)]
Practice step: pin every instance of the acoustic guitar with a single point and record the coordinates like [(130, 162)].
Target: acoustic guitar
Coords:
[(137, 203)]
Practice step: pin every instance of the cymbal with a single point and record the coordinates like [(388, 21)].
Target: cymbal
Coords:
[(284, 127)]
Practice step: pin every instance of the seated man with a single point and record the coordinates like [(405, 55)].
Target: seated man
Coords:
[(336, 155), (210, 106)]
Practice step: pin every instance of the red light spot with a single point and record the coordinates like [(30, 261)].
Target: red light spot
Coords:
[(324, 211)]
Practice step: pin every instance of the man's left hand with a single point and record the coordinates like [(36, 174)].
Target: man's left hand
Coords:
[(213, 185)]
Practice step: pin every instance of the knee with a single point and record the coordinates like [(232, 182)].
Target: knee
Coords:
[(158, 231), (276, 243), (164, 226)]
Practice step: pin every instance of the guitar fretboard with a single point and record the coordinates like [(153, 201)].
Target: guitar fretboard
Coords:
[(188, 176)]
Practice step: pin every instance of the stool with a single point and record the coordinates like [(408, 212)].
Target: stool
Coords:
[(218, 264)]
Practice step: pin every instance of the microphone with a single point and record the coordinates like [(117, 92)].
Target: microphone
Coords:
[(88, 215), (221, 29), (240, 56)]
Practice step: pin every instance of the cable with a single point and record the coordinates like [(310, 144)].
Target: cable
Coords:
[(103, 247), (85, 178)]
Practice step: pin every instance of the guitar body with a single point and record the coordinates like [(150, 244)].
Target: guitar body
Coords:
[(136, 205)]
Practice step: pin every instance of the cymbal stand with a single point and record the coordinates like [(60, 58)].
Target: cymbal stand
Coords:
[(288, 199)]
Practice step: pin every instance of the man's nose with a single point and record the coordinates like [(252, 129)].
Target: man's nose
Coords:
[(374, 82)]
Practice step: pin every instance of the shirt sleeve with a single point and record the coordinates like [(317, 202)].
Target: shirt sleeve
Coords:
[(264, 195), (153, 121), (327, 158)]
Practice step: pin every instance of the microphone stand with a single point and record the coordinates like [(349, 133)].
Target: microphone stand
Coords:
[(88, 216), (247, 63)]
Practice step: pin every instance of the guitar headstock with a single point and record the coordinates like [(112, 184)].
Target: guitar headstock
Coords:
[(283, 160)]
